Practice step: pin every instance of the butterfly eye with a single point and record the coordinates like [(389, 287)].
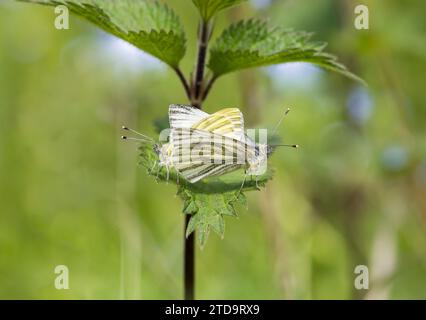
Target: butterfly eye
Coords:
[(156, 149)]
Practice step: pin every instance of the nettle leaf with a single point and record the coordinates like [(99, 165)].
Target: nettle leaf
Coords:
[(252, 43), (208, 201), (208, 8), (148, 25), (210, 211)]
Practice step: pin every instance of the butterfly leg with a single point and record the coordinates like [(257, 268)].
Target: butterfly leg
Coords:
[(158, 172), (251, 178), (153, 167), (168, 174), (242, 185)]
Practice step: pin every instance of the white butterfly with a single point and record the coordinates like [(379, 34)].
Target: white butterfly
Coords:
[(202, 145)]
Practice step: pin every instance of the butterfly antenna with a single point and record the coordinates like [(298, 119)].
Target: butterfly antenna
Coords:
[(286, 145), (135, 139), (281, 120), (137, 133)]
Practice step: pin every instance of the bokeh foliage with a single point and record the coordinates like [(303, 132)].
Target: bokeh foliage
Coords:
[(156, 29), (71, 192), (148, 25)]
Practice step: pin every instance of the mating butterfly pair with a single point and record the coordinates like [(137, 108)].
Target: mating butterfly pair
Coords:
[(202, 145)]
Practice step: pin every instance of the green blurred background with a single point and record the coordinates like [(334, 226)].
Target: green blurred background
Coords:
[(71, 192)]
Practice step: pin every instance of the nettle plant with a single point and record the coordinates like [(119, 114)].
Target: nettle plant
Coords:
[(156, 29)]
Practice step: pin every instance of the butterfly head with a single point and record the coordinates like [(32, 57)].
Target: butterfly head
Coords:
[(157, 149), (257, 164), (165, 153), (261, 150), (269, 150)]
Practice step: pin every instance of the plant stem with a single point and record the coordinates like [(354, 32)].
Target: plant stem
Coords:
[(208, 87), (196, 96), (203, 40), (184, 82), (189, 263)]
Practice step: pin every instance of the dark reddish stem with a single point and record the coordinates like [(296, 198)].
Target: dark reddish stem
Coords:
[(189, 263), (203, 41), (196, 95)]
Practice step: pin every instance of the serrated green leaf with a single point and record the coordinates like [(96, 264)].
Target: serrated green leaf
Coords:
[(208, 201), (203, 234), (211, 209), (252, 43), (228, 209), (217, 224), (190, 208), (146, 24), (242, 199), (208, 8), (192, 224)]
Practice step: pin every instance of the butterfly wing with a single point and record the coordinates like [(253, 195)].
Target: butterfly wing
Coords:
[(198, 154), (221, 132), (185, 116), (195, 174), (228, 122)]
